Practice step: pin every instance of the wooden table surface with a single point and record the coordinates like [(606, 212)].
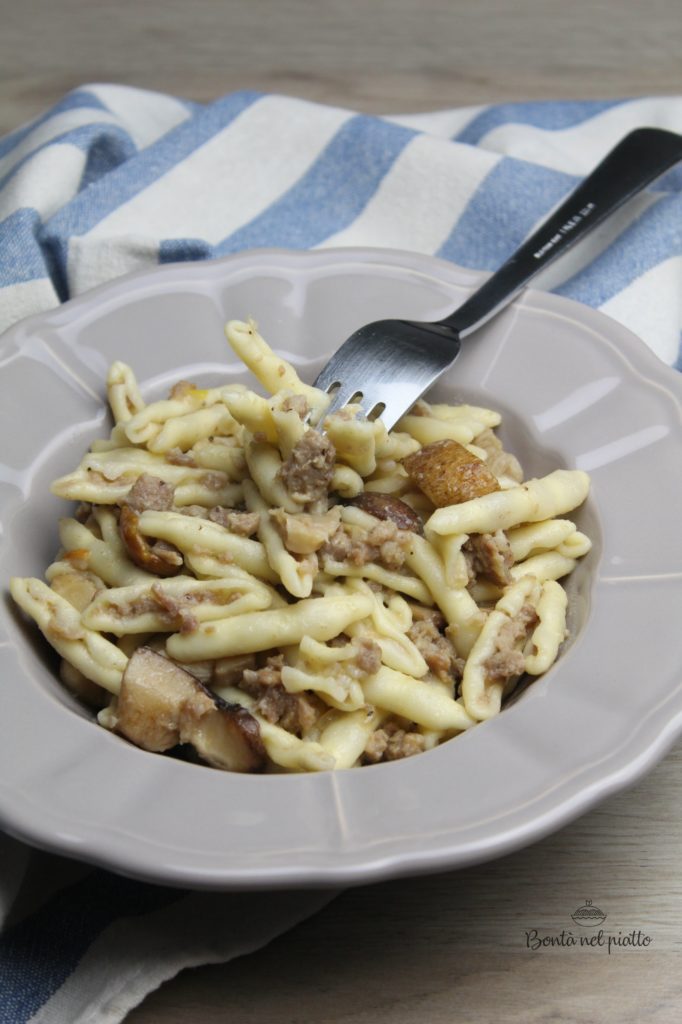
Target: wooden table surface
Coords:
[(448, 947)]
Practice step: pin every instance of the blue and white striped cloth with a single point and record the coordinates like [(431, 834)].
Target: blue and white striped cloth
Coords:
[(113, 179)]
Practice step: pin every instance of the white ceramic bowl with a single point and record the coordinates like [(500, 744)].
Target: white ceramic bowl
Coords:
[(574, 388)]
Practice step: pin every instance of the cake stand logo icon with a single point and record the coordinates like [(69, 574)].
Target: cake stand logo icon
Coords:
[(588, 916)]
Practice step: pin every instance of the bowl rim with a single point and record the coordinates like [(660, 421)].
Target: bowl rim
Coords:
[(137, 857)]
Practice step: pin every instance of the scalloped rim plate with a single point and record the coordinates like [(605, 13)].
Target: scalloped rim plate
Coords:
[(575, 389)]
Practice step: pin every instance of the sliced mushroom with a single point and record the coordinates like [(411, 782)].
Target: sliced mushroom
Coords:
[(448, 473), (161, 705), (386, 506), (228, 737), (161, 559), (304, 533)]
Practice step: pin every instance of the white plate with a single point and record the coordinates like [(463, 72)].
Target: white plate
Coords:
[(575, 389)]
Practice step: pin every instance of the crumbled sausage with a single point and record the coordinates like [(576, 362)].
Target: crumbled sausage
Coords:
[(177, 457), (368, 658), (295, 712), (307, 473), (196, 511), (338, 547), (175, 608), (149, 492), (489, 555), (507, 660), (422, 614), (392, 743), (245, 524), (436, 650), (383, 543), (214, 481)]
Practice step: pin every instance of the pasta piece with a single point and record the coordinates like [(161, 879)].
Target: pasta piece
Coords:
[(552, 495), (271, 370), (469, 413), (532, 538), (389, 630), (320, 618), (482, 695), (345, 737), (105, 557), (123, 392), (296, 574), (336, 688), (265, 465), (550, 632), (458, 606), (392, 580), (192, 536), (105, 478), (551, 565), (60, 623), (355, 440), (185, 431), (427, 429), (416, 700), (166, 605), (282, 747), (253, 412), (346, 482), (289, 424), (454, 563)]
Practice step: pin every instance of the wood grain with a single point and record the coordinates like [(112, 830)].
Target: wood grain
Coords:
[(449, 947), (374, 55), (453, 947)]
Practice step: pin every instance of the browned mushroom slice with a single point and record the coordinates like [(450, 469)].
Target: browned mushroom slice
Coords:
[(387, 506), (448, 473), (162, 560), (161, 705), (228, 737)]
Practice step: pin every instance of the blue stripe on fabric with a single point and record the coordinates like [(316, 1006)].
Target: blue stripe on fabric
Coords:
[(21, 258), (546, 114), (42, 951), (106, 151), (654, 237), (671, 181), (72, 101), (100, 138), (149, 165), (331, 193), (95, 203), (185, 250), (504, 208)]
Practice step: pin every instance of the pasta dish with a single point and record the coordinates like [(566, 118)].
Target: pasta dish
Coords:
[(261, 587)]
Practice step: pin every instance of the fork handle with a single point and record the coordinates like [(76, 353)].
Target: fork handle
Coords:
[(635, 162)]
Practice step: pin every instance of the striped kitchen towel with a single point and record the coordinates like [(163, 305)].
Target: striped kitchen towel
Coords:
[(114, 179)]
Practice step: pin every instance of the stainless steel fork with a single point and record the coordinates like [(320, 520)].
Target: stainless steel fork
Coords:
[(387, 365)]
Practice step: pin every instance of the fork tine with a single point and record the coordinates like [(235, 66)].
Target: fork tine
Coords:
[(341, 397), (388, 362)]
